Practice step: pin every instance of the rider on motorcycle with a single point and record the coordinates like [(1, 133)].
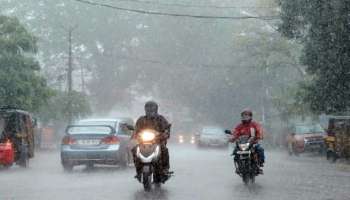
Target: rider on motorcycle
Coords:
[(155, 121), (254, 131)]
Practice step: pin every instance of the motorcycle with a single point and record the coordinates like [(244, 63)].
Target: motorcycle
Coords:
[(247, 162), (148, 151)]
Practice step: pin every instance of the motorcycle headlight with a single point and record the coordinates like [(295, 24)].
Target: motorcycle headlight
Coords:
[(147, 136), (244, 147)]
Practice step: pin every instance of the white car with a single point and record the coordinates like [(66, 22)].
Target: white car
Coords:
[(212, 136)]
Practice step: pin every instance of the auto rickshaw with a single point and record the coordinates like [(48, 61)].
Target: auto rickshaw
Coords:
[(16, 137), (338, 138)]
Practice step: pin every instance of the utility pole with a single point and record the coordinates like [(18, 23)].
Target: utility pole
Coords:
[(70, 74), (82, 79), (70, 67)]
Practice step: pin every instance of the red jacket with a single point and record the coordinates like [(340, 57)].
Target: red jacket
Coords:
[(251, 129)]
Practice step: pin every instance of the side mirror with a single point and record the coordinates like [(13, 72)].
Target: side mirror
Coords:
[(130, 127), (127, 126), (228, 132)]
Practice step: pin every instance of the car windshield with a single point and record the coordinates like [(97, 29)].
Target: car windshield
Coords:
[(305, 129), (212, 131), (89, 130)]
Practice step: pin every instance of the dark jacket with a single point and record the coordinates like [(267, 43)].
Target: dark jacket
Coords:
[(157, 123)]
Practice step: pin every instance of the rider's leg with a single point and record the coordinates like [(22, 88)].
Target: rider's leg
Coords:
[(235, 159), (261, 154), (165, 158), (137, 164)]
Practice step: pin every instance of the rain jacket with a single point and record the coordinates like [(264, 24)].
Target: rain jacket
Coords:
[(158, 123), (251, 129)]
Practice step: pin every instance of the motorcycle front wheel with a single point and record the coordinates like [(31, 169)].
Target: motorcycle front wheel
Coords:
[(245, 178), (147, 181)]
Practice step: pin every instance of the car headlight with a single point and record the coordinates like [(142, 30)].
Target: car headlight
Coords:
[(193, 140), (244, 147), (147, 136)]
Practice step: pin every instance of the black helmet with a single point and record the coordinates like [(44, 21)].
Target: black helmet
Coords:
[(151, 108), (246, 116)]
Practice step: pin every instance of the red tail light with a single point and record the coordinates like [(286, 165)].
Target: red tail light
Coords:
[(67, 140), (110, 140)]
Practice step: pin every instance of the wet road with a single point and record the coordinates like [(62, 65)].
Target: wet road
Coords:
[(199, 174)]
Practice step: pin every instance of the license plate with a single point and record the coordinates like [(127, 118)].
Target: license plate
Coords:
[(243, 152), (88, 142)]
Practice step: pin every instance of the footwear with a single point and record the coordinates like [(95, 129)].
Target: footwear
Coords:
[(166, 171), (138, 177), (237, 171), (164, 178), (261, 171)]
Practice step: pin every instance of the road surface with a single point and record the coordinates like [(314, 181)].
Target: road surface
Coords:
[(200, 174)]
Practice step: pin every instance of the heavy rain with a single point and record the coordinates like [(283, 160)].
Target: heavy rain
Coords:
[(174, 99)]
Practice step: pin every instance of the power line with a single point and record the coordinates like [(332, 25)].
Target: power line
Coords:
[(195, 6), (175, 14)]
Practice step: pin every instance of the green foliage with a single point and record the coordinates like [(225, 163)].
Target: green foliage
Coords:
[(20, 82), (324, 28), (58, 107)]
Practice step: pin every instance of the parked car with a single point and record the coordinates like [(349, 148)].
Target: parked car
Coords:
[(305, 137), (97, 141), (212, 136)]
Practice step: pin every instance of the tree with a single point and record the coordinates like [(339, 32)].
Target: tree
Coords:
[(324, 28), (58, 106), (20, 82)]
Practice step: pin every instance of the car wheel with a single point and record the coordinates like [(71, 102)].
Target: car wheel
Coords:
[(7, 166), (67, 167), (199, 144), (90, 165)]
